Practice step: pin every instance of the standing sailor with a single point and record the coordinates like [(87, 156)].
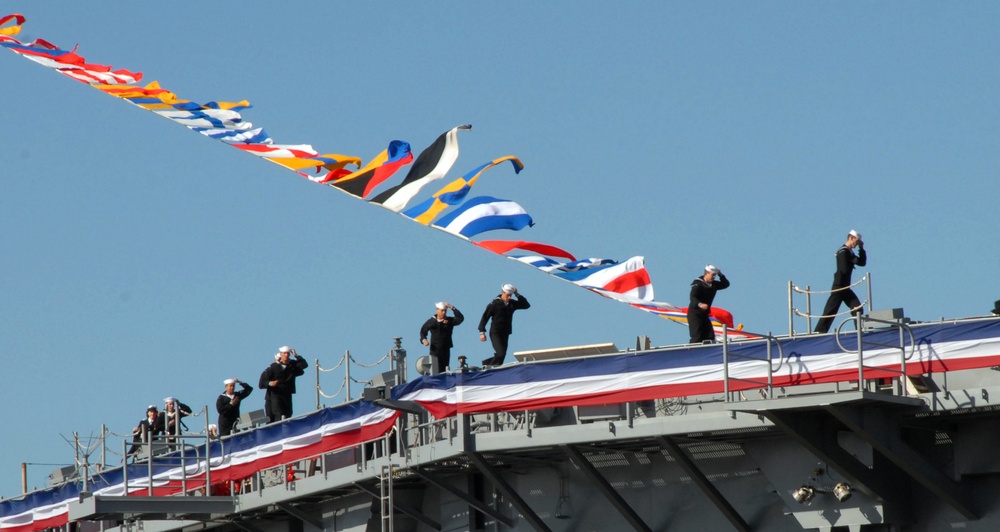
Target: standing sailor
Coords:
[(842, 293), (703, 291), (440, 326), (278, 380), (228, 404), (501, 312)]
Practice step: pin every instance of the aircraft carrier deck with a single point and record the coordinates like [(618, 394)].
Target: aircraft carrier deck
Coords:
[(778, 435)]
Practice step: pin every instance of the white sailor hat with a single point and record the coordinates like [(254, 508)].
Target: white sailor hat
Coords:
[(712, 269), (284, 349), (854, 233), (227, 382), (440, 305), (151, 407), (508, 288), (169, 400)]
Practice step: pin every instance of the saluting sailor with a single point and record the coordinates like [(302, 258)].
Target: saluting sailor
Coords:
[(501, 312), (703, 291), (440, 326), (278, 380), (842, 293), (228, 405)]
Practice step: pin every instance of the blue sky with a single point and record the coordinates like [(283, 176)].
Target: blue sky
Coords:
[(142, 260)]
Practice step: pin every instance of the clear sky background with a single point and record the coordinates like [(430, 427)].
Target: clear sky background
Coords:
[(141, 260)]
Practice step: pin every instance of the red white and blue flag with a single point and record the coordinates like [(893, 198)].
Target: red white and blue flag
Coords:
[(627, 281), (232, 459), (699, 370)]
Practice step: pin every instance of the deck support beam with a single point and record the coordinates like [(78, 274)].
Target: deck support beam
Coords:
[(300, 515), (507, 491), (702, 482), (606, 488), (816, 430), (471, 501), (882, 432), (99, 507), (817, 434), (415, 514), (242, 525)]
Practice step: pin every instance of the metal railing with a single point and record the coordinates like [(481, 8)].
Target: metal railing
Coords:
[(412, 431), (397, 364), (904, 329), (808, 292), (171, 449), (727, 357), (178, 455), (84, 469)]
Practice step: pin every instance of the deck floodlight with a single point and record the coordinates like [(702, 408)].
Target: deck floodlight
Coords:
[(424, 365), (842, 491), (804, 495)]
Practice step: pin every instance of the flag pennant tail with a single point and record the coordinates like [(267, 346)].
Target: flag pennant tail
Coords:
[(501, 247)]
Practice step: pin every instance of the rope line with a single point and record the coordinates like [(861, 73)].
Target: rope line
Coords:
[(336, 393), (321, 368), (848, 311), (371, 366), (804, 291)]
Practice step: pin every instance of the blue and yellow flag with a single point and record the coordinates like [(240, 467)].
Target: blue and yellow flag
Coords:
[(453, 193)]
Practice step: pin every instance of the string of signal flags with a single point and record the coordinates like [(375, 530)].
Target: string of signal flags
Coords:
[(624, 281)]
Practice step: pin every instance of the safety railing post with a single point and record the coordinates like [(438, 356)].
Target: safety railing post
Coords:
[(104, 446), (76, 450), (347, 370), (725, 363), (861, 354), (86, 472), (791, 311), (868, 281), (902, 363), (809, 309), (362, 462), (316, 369), (125, 466), (208, 454), (183, 459), (149, 469), (770, 368)]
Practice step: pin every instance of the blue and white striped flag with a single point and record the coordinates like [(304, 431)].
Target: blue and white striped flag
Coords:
[(485, 213)]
